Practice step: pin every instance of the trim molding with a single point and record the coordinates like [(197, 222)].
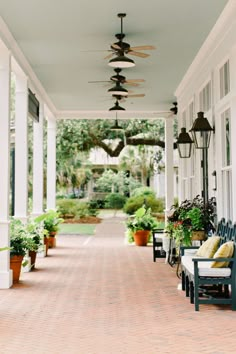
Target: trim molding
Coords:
[(214, 39), (20, 59)]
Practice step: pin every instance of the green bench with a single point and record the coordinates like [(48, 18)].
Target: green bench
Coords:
[(206, 285)]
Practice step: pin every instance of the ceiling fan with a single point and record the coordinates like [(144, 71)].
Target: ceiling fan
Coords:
[(120, 78), (121, 47), (122, 98), (117, 107), (116, 126), (174, 109)]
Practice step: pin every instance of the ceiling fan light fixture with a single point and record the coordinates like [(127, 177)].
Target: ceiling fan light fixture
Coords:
[(121, 61), (117, 107), (118, 90), (116, 126)]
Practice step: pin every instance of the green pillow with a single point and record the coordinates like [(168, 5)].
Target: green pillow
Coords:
[(226, 250), (209, 247)]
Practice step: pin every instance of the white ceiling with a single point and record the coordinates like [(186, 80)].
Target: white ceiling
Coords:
[(66, 41)]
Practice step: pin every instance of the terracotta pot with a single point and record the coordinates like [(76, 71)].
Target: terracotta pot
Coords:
[(15, 265), (46, 242), (198, 235), (52, 239), (141, 237), (32, 255)]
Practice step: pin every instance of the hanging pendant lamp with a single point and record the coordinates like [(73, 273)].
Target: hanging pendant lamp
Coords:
[(118, 90), (121, 61)]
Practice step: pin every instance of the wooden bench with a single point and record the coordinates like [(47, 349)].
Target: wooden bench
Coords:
[(206, 285)]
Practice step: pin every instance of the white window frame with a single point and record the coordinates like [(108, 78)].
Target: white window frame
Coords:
[(205, 97), (226, 169), (224, 79)]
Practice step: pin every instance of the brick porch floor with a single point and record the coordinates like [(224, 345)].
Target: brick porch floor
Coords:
[(96, 295)]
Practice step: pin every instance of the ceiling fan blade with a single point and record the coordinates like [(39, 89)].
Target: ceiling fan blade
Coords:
[(134, 80), (95, 82), (131, 83), (143, 47), (95, 50), (139, 54), (109, 56), (137, 95), (116, 46)]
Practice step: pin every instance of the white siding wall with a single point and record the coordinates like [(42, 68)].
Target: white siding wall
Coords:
[(219, 48)]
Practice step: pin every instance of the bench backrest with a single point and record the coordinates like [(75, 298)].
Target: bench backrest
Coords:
[(227, 232)]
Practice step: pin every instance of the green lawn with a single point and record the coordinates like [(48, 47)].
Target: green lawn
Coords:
[(80, 229)]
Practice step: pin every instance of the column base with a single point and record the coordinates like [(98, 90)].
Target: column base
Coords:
[(6, 279)]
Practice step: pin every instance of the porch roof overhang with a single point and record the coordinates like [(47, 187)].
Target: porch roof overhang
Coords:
[(60, 47)]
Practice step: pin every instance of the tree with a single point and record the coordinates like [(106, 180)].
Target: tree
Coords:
[(82, 135), (139, 161), (116, 182)]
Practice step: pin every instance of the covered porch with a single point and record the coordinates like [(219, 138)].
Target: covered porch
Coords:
[(208, 85), (95, 294)]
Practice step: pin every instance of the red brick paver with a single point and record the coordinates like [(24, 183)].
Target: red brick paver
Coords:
[(96, 295)]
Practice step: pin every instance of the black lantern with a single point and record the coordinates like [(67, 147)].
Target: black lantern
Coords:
[(184, 144), (201, 132)]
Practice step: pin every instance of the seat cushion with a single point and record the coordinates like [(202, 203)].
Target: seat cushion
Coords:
[(205, 269), (226, 250), (209, 247)]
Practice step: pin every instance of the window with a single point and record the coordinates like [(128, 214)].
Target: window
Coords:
[(227, 193), (226, 165), (205, 98), (224, 80), (184, 118), (226, 138)]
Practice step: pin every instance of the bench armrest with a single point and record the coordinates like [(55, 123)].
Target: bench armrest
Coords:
[(196, 260), (183, 248)]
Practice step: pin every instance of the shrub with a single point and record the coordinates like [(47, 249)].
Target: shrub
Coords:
[(97, 203), (134, 203), (67, 207), (76, 209), (92, 208), (82, 210), (115, 201), (144, 191)]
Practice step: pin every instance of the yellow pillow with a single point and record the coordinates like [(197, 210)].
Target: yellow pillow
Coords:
[(226, 250), (209, 247)]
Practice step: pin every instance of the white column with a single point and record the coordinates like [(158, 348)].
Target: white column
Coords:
[(233, 127), (51, 164), (5, 73), (233, 156), (21, 147), (38, 163), (169, 165)]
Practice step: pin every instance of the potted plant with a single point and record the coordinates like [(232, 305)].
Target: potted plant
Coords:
[(51, 221), (190, 218), (196, 217), (18, 247), (34, 240), (140, 225)]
